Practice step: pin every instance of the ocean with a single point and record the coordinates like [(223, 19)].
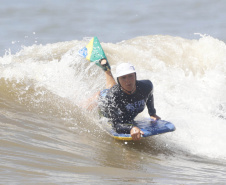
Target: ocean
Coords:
[(47, 137)]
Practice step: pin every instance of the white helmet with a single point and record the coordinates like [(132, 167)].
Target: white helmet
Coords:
[(124, 69)]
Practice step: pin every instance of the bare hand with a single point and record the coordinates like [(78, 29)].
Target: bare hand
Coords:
[(136, 133), (155, 118)]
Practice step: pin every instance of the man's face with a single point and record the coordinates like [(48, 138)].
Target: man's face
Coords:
[(128, 82)]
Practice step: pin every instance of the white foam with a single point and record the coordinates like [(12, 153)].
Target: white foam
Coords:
[(188, 77)]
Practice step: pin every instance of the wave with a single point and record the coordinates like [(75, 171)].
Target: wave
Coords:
[(188, 77)]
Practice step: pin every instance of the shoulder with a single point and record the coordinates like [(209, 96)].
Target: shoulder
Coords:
[(114, 91), (146, 84)]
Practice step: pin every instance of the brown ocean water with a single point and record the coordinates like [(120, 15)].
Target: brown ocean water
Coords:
[(46, 137)]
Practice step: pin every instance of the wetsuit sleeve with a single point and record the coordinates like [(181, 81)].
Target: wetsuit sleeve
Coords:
[(110, 108), (150, 105), (123, 128), (116, 116), (150, 100)]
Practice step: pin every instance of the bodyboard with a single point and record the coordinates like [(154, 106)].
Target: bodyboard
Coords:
[(93, 51), (149, 128)]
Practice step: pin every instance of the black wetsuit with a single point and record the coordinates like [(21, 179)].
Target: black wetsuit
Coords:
[(122, 108)]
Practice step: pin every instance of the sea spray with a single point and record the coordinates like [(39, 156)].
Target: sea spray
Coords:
[(188, 77)]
